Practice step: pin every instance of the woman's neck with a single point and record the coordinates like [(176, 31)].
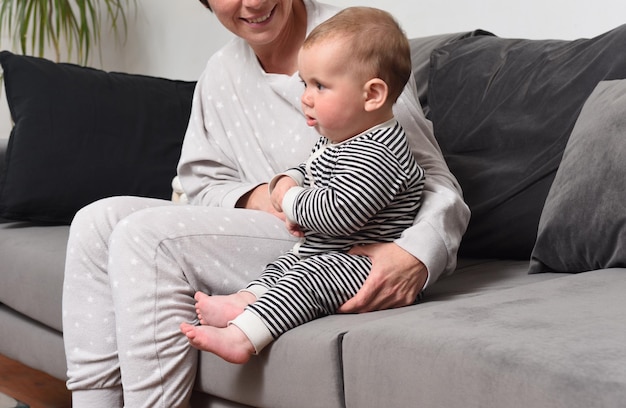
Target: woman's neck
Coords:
[(281, 56)]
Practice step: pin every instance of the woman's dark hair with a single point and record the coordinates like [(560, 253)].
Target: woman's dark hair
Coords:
[(206, 3)]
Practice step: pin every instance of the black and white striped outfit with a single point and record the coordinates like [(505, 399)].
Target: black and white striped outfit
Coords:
[(364, 190)]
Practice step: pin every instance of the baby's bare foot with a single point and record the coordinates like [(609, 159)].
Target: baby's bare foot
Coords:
[(229, 343), (218, 310)]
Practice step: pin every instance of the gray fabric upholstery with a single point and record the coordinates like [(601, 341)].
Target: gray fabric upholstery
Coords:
[(556, 343), (421, 49), (32, 343), (286, 374), (476, 277), (502, 111), (302, 368), (33, 258), (595, 151), (475, 329), (316, 347)]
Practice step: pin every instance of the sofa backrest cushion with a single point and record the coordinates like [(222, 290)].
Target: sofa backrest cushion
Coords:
[(502, 111), (421, 49), (82, 134)]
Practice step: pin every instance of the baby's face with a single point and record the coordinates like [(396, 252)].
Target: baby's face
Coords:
[(334, 97)]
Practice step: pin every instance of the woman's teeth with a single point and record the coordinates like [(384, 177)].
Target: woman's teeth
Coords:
[(260, 19)]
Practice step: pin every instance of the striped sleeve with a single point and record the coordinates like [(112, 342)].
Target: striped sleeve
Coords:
[(367, 175)]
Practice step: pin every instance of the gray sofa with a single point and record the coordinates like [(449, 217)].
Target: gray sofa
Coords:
[(519, 123)]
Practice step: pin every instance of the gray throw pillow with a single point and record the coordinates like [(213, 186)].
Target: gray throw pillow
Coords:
[(583, 223)]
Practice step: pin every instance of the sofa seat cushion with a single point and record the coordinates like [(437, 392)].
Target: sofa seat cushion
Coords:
[(304, 367), (475, 277), (31, 270), (556, 343), (33, 344)]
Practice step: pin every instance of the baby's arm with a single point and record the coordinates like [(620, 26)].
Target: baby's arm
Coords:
[(279, 187), (367, 178)]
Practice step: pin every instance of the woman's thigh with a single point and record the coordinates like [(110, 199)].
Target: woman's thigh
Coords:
[(217, 250), (158, 258)]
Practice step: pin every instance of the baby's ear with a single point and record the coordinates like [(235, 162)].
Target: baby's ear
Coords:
[(376, 93)]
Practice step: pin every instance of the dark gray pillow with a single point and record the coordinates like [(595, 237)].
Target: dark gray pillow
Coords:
[(502, 111), (82, 134), (583, 223), (421, 48)]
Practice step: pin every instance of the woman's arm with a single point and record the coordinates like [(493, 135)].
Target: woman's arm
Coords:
[(442, 220), (208, 169)]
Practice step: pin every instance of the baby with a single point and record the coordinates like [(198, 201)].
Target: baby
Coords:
[(360, 185)]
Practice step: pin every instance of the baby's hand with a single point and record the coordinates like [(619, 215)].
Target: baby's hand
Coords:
[(294, 229), (277, 196), (283, 184)]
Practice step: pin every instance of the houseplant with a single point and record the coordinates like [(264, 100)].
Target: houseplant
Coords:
[(72, 25)]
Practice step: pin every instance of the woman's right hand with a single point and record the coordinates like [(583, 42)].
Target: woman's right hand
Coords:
[(259, 199)]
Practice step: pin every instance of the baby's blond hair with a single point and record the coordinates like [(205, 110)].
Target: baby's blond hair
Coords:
[(376, 45)]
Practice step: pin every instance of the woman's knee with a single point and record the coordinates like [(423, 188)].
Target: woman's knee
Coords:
[(103, 215), (145, 229)]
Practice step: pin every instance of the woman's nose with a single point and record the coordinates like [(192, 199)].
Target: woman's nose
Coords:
[(253, 4)]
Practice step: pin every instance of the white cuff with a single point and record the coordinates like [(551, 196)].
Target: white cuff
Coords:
[(256, 290), (294, 174), (289, 203), (254, 328)]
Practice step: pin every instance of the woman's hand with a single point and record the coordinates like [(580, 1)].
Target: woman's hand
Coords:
[(259, 199), (397, 277)]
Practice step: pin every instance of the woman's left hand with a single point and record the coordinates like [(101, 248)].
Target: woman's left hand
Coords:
[(397, 277), (259, 199)]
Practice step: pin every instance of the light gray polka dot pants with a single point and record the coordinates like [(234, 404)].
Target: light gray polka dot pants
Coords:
[(133, 265)]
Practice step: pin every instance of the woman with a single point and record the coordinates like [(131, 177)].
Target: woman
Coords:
[(135, 264)]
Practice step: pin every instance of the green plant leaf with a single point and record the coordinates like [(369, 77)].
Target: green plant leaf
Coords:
[(75, 24)]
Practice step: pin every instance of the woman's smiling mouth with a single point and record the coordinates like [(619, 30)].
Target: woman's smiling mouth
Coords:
[(259, 20)]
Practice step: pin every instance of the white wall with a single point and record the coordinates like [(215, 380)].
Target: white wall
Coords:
[(167, 40), (537, 19), (174, 38), (175, 41)]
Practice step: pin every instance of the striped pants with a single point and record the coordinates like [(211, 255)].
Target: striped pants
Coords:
[(297, 290)]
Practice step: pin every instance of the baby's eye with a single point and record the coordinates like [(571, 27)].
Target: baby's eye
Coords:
[(319, 86)]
